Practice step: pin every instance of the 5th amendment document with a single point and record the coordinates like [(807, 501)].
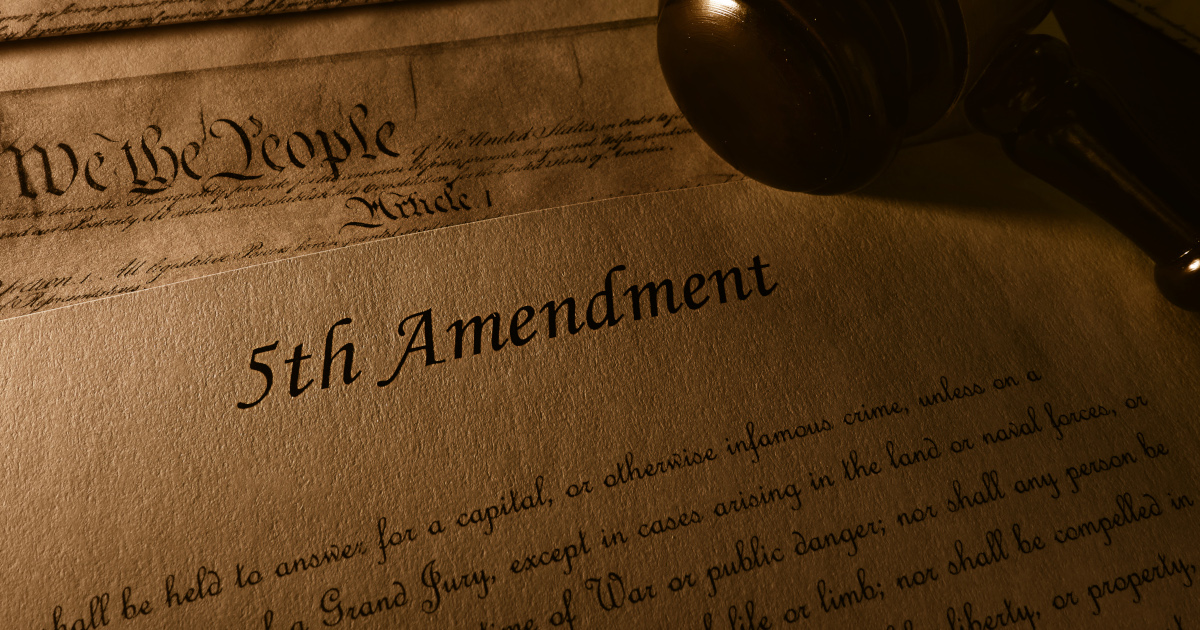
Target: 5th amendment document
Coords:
[(725, 407)]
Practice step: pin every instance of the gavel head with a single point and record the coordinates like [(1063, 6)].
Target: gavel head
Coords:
[(817, 95)]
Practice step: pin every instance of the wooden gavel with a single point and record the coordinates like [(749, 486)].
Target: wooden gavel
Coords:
[(817, 96)]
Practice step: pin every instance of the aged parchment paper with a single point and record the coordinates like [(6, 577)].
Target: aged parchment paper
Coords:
[(22, 19), (54, 61), (114, 186), (856, 412)]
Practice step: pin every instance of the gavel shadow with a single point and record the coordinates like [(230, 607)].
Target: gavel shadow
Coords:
[(969, 174)]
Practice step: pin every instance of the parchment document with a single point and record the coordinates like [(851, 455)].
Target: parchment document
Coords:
[(725, 407), (114, 186), (22, 19), (51, 61)]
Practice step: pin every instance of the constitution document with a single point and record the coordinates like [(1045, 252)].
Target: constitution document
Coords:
[(22, 19), (113, 186), (143, 52), (723, 407)]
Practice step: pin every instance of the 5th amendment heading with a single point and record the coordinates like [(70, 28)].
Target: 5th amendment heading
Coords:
[(427, 346)]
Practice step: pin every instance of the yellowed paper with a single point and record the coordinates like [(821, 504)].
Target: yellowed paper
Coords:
[(48, 62), (726, 407), (23, 19), (115, 186)]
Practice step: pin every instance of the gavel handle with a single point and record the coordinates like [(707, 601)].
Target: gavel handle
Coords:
[(1056, 125)]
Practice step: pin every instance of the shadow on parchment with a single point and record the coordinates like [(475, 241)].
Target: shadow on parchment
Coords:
[(968, 174)]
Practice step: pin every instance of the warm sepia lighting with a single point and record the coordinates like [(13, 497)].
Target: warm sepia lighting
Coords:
[(520, 313)]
